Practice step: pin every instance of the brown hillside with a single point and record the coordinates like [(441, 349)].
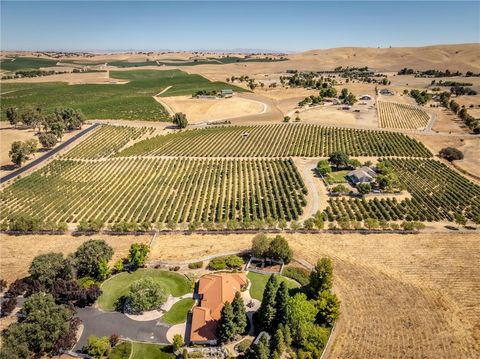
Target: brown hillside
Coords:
[(462, 57)]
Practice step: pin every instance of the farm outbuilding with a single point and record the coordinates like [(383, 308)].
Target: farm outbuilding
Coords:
[(365, 98), (387, 92), (227, 93)]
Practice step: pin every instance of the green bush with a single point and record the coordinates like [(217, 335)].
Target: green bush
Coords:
[(195, 265), (225, 262), (301, 275), (243, 345)]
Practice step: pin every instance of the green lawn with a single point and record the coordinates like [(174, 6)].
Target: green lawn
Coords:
[(121, 351), (130, 101), (337, 177), (26, 63), (178, 313), (151, 351), (259, 281), (175, 284)]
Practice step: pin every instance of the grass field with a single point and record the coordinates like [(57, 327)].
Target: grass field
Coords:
[(259, 281), (277, 141), (337, 177), (151, 351), (130, 101), (178, 313), (175, 284), (25, 63), (121, 351)]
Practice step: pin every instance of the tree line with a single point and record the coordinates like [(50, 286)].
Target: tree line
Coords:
[(51, 127), (54, 287)]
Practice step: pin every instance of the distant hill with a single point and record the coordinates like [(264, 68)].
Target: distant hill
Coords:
[(462, 57)]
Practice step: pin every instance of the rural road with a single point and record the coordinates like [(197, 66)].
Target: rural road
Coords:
[(102, 323), (47, 155)]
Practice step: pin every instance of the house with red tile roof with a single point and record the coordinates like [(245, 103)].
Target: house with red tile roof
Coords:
[(213, 290)]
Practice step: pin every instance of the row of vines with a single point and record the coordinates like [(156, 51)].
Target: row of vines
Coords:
[(401, 115), (106, 141), (438, 193), (281, 140), (159, 190)]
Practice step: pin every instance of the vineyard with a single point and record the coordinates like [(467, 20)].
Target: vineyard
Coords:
[(283, 140), (159, 190), (438, 193), (132, 100), (106, 141), (400, 115)]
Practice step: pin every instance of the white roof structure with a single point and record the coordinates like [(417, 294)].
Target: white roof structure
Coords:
[(362, 175)]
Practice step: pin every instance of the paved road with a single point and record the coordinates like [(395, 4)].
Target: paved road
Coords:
[(47, 155), (103, 323)]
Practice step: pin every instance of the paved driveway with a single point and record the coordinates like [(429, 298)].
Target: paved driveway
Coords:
[(103, 323)]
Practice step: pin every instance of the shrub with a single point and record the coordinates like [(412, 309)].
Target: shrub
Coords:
[(301, 275), (243, 346), (8, 306), (195, 265), (98, 347), (85, 282), (451, 154), (177, 342), (230, 262), (138, 254), (145, 294)]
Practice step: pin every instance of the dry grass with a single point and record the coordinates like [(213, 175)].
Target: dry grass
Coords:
[(470, 146), (8, 135), (16, 252), (198, 110)]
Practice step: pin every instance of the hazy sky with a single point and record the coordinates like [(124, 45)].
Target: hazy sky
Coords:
[(273, 25)]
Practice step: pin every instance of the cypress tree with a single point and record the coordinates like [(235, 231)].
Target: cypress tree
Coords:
[(262, 350), (320, 278), (281, 307), (239, 313), (278, 343), (266, 313), (226, 325), (287, 337)]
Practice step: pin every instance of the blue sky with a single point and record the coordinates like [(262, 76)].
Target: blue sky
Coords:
[(273, 25)]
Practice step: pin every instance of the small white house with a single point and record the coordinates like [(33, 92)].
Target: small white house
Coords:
[(362, 175)]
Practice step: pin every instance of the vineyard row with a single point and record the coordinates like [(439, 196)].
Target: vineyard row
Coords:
[(159, 190), (401, 115), (282, 140)]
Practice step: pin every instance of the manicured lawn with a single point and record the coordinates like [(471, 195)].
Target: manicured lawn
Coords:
[(175, 284), (121, 351), (337, 177), (151, 351), (259, 281), (178, 313), (130, 101)]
